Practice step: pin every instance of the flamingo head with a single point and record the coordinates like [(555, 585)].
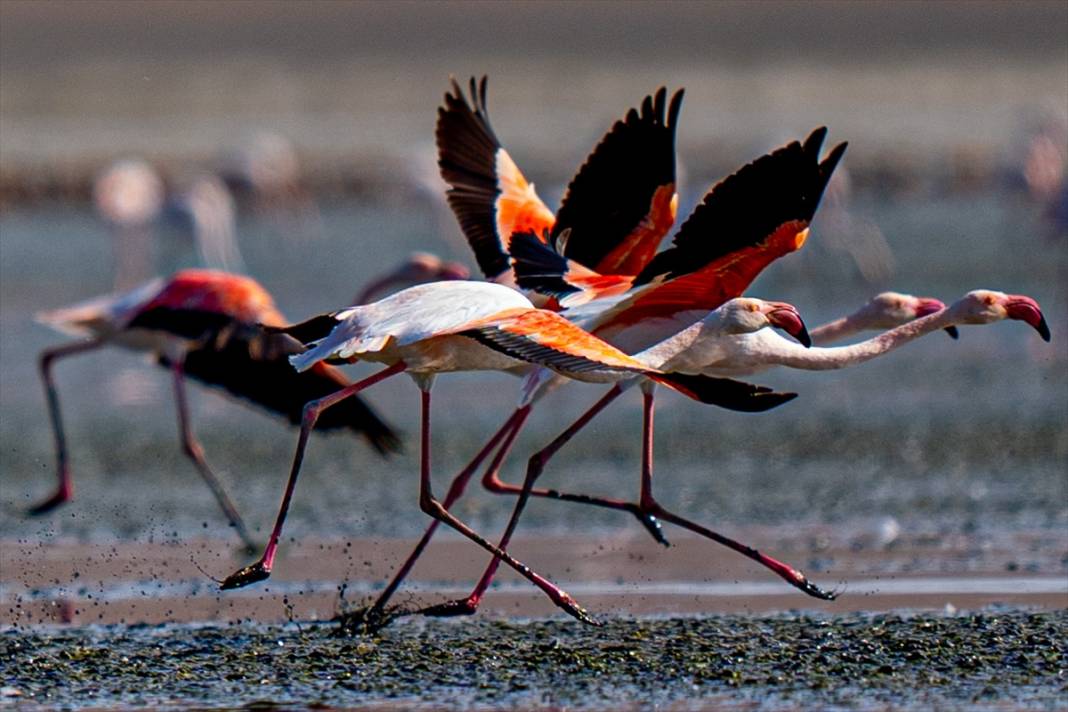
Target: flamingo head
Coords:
[(748, 315), (425, 267), (984, 306), (892, 309)]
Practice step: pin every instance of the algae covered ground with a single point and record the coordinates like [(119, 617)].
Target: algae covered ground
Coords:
[(994, 659)]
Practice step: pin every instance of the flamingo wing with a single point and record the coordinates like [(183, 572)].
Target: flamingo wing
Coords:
[(539, 268), (548, 339), (724, 392), (765, 206), (246, 365), (406, 317), (622, 201), (745, 222), (489, 195), (217, 292)]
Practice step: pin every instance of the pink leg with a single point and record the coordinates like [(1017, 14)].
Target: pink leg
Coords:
[(262, 568), (491, 479), (434, 508), (650, 505), (65, 489), (192, 448), (373, 615), (535, 467)]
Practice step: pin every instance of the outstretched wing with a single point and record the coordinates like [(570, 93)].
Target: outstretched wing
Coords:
[(487, 192), (548, 339), (746, 221), (622, 201)]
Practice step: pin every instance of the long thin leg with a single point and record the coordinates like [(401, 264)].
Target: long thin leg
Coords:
[(262, 568), (535, 466), (649, 504), (65, 488), (374, 613), (434, 508), (491, 480), (192, 448)]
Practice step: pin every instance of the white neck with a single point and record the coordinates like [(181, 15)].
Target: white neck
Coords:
[(792, 355), (836, 330)]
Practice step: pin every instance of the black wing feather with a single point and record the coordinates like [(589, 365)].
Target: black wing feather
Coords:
[(725, 392), (612, 191), (526, 349), (538, 267), (747, 206), (467, 158)]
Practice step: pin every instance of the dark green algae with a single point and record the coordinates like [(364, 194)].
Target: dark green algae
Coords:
[(987, 659)]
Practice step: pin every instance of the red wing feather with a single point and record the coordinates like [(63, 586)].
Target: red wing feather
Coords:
[(753, 209), (223, 293)]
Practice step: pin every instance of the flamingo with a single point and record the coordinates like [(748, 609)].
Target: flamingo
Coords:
[(731, 342), (465, 326), (128, 195), (885, 310), (200, 323), (764, 211), (418, 268)]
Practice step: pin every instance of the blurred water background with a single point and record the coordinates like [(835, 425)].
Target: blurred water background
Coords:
[(942, 104)]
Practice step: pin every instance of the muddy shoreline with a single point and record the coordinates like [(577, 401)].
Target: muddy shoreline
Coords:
[(993, 659)]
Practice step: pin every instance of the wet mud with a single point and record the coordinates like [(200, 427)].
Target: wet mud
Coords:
[(993, 659)]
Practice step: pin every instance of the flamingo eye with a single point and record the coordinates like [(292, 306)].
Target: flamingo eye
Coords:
[(988, 300), (753, 307)]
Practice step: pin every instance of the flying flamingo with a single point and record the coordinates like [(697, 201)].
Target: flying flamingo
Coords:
[(466, 326), (745, 222), (201, 323)]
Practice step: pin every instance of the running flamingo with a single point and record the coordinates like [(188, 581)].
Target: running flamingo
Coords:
[(465, 326), (764, 211), (201, 323), (731, 342)]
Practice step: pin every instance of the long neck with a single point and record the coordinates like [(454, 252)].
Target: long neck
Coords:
[(792, 355), (663, 352), (836, 330)]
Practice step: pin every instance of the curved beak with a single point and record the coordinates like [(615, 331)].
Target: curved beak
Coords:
[(1026, 309), (786, 317), (926, 306)]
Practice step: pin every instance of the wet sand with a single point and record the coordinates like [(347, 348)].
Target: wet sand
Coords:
[(619, 574)]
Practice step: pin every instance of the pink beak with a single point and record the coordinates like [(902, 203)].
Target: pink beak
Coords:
[(1026, 309), (786, 317), (927, 306)]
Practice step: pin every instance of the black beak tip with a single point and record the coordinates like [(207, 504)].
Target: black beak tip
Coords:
[(1043, 330), (953, 332), (804, 339)]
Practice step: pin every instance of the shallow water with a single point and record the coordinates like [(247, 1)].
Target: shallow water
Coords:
[(942, 436)]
